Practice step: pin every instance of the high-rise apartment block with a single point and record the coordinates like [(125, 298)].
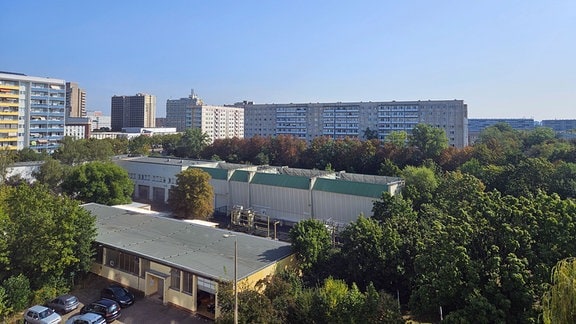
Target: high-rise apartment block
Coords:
[(352, 119), (32, 111), (216, 121), (133, 111), (560, 125), (477, 125), (75, 100)]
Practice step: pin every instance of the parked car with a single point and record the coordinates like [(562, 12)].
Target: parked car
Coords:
[(64, 304), (88, 318), (118, 294), (108, 308), (41, 315)]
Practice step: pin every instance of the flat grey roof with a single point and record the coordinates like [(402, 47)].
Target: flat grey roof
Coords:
[(199, 249)]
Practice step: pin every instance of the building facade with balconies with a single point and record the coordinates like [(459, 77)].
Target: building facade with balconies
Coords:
[(352, 119), (215, 121), (32, 112)]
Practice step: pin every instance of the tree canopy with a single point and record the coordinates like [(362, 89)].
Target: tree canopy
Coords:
[(193, 196), (100, 182), (47, 236), (311, 242)]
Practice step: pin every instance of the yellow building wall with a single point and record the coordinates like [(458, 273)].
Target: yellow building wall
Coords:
[(288, 263), (124, 278), (172, 296), (181, 299)]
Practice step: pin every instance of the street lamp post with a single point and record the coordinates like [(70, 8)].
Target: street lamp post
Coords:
[(235, 276)]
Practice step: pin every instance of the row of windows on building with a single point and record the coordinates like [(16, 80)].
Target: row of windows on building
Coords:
[(180, 280), (153, 178)]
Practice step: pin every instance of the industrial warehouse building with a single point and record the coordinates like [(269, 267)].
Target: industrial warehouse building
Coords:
[(282, 194), (180, 263)]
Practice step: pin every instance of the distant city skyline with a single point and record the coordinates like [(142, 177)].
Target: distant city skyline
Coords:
[(511, 59)]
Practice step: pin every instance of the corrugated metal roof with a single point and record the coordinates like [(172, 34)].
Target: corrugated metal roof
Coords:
[(240, 176), (281, 180), (350, 188), (195, 248), (220, 174)]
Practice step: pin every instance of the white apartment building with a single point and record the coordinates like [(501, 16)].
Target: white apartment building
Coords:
[(216, 121), (351, 119), (32, 112), (99, 120)]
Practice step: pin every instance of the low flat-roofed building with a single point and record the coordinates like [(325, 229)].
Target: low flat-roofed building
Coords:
[(180, 263)]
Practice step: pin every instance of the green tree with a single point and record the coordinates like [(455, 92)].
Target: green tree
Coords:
[(498, 144), (397, 138), (329, 301), (27, 154), (101, 149), (119, 145), (285, 290), (380, 308), (5, 309), (388, 168), (100, 182), (563, 180), (51, 173), (368, 249), (397, 216), (253, 306), (193, 196), (192, 143), (169, 143), (559, 301), (529, 176), (18, 292), (140, 145), (7, 157), (430, 140), (538, 136), (421, 183), (311, 243), (49, 236), (72, 151)]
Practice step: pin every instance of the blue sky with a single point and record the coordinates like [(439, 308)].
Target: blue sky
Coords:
[(506, 59)]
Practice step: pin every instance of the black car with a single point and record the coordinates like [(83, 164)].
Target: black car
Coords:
[(118, 294), (108, 308)]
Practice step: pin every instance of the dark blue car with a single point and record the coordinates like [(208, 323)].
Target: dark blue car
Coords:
[(118, 294)]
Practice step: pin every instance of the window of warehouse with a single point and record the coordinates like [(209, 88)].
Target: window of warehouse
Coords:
[(175, 279), (187, 282), (123, 261)]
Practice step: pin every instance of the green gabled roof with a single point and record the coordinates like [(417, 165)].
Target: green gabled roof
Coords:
[(240, 176), (220, 174), (281, 180), (350, 187)]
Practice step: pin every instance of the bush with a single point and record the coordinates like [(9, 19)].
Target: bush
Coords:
[(18, 291), (4, 309), (49, 291)]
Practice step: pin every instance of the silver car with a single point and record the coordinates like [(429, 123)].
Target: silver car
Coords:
[(41, 315), (64, 304), (88, 318)]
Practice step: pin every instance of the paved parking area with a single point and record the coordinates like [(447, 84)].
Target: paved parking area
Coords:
[(144, 310)]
